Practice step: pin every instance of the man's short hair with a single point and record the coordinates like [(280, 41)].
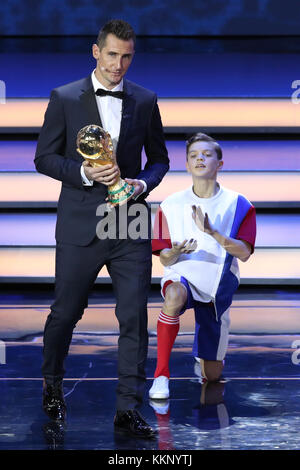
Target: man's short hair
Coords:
[(119, 28), (200, 137)]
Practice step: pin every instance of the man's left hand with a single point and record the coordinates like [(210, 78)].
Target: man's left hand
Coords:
[(138, 186)]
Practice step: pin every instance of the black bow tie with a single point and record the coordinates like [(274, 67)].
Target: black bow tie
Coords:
[(115, 94)]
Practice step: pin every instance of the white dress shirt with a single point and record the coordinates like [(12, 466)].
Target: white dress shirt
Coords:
[(110, 111)]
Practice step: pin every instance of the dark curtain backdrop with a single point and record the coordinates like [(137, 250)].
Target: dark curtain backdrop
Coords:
[(154, 17)]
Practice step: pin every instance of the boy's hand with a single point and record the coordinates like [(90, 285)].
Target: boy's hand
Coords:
[(169, 256), (202, 221), (187, 246)]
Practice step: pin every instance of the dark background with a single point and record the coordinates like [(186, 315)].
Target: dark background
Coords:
[(155, 17)]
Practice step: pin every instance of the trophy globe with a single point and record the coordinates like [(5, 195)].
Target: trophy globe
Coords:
[(94, 144)]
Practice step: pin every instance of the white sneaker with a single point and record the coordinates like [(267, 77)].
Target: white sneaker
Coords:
[(160, 388)]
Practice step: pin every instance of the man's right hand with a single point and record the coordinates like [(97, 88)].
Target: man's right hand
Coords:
[(105, 174)]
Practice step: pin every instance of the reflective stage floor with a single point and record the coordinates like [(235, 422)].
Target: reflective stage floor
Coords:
[(256, 408)]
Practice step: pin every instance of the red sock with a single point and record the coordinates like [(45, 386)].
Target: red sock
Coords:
[(167, 329)]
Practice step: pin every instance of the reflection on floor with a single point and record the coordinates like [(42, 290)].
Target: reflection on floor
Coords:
[(257, 407)]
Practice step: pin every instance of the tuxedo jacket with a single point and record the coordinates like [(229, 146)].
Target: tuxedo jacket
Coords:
[(73, 106)]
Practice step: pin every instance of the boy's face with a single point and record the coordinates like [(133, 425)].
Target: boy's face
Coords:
[(202, 160)]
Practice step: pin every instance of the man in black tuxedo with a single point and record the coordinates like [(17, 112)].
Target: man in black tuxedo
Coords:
[(134, 122)]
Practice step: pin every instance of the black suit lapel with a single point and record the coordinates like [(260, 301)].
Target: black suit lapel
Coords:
[(128, 108), (89, 103)]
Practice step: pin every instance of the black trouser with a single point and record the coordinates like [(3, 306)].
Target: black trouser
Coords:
[(129, 265)]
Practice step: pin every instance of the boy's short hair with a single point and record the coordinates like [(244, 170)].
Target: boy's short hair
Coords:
[(119, 28), (201, 137)]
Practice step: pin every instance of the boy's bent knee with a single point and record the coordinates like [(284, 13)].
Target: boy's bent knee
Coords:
[(175, 297), (211, 370), (213, 376), (176, 292)]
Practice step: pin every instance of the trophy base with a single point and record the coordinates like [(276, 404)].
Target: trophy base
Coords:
[(120, 193)]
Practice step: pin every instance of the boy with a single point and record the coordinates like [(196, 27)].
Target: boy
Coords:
[(199, 234)]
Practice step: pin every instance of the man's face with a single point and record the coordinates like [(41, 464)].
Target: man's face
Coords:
[(202, 160), (113, 60)]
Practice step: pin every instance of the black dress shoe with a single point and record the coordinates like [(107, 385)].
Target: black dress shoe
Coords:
[(53, 401), (54, 433), (131, 421)]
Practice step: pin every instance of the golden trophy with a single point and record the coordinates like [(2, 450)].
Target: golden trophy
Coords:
[(95, 145)]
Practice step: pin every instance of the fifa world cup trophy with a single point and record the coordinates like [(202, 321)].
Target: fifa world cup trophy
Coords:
[(95, 145)]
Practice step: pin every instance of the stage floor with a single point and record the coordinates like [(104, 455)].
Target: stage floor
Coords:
[(257, 408)]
